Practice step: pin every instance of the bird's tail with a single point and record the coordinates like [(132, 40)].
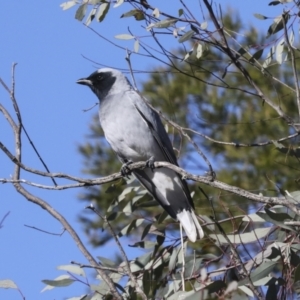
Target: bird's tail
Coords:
[(190, 224)]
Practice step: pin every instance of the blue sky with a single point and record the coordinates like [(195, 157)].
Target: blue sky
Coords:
[(48, 44)]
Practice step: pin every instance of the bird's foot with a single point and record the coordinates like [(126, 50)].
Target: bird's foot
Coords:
[(150, 163), (125, 171)]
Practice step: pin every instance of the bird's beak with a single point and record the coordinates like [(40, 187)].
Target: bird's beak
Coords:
[(84, 81)]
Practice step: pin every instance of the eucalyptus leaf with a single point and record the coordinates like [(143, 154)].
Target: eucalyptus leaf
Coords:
[(263, 270), (162, 24), (68, 4), (81, 11), (188, 35), (73, 269), (125, 36), (102, 11), (8, 284), (133, 225), (244, 238)]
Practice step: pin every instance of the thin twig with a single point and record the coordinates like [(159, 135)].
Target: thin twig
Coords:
[(123, 254), (44, 205)]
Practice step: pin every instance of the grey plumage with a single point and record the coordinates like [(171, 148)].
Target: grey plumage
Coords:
[(136, 133)]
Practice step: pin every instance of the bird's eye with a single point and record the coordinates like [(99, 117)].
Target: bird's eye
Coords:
[(99, 77)]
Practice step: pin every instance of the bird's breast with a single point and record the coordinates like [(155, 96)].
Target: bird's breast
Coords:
[(127, 133)]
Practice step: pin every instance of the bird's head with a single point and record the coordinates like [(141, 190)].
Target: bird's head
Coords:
[(105, 81)]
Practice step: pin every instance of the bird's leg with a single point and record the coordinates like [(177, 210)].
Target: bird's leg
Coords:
[(125, 171), (150, 163)]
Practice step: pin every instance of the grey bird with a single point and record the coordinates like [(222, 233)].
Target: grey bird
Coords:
[(136, 133)]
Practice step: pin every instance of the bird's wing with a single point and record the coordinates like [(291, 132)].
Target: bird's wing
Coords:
[(161, 137)]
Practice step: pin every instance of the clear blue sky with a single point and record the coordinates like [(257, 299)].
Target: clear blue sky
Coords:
[(48, 44)]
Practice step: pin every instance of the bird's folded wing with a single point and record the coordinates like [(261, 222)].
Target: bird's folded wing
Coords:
[(161, 137)]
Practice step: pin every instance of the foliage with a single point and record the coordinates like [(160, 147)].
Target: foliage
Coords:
[(229, 118), (236, 93)]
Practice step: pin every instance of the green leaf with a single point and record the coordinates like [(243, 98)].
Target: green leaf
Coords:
[(273, 3), (279, 51), (7, 284), (276, 218), (133, 225), (269, 58), (118, 3), (144, 244), (194, 28), (297, 274), (246, 290), (156, 13), (278, 24), (245, 238), (136, 13), (106, 262), (294, 259), (73, 269), (81, 11), (68, 4), (180, 12), (199, 51), (263, 270), (260, 17), (192, 266), (60, 281), (204, 25), (90, 17), (257, 55), (188, 35), (294, 196), (216, 286), (253, 218), (102, 11), (162, 24), (173, 259), (125, 37)]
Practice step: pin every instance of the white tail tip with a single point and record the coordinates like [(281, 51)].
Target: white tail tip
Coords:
[(191, 225)]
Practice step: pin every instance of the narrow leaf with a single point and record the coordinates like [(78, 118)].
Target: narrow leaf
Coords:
[(260, 272), (279, 51), (244, 238), (136, 46), (162, 24), (73, 269), (60, 281), (260, 17), (119, 2), (199, 51), (68, 4), (127, 229), (106, 262), (188, 35), (8, 284), (278, 24), (81, 11), (102, 11), (257, 55), (136, 13), (124, 37), (90, 17), (204, 25), (156, 13)]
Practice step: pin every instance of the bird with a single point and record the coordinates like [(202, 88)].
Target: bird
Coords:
[(135, 132)]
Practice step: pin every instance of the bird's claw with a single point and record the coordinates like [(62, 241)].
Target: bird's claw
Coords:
[(125, 171), (150, 163)]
